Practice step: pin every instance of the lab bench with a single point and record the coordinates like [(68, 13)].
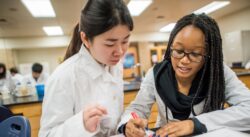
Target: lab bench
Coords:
[(31, 106)]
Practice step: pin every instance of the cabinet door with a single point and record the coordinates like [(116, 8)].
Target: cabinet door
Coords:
[(131, 63), (154, 56), (157, 54), (245, 80)]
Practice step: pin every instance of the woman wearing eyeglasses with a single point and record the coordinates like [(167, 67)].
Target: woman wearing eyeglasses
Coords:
[(190, 86)]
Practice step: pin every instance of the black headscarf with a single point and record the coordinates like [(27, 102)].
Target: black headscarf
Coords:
[(166, 86)]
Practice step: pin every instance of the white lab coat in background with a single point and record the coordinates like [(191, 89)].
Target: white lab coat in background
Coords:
[(247, 66), (77, 83), (18, 78), (41, 80), (7, 84)]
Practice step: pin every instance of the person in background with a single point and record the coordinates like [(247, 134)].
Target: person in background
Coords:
[(37, 76), (6, 83), (16, 76), (84, 95), (190, 86), (247, 66)]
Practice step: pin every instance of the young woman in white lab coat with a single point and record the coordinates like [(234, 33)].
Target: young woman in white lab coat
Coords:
[(190, 86), (6, 83), (84, 95), (37, 76)]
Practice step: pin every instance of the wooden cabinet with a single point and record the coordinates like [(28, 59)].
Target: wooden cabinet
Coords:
[(243, 75), (130, 96), (157, 54), (131, 65), (32, 112), (245, 79)]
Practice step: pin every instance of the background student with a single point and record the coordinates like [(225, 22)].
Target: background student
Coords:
[(190, 86), (6, 83), (37, 75), (16, 76), (84, 95)]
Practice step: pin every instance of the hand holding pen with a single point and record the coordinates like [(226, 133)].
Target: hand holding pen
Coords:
[(135, 127)]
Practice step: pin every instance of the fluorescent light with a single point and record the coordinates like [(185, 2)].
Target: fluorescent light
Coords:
[(136, 7), (39, 8), (167, 28), (213, 6), (53, 30)]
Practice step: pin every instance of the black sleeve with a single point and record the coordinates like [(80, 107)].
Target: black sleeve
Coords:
[(122, 128), (199, 127)]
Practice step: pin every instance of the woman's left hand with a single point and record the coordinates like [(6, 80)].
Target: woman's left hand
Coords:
[(176, 129)]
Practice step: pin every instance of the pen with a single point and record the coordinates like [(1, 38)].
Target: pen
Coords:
[(135, 116)]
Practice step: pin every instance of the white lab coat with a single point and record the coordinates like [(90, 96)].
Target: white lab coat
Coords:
[(41, 80), (74, 85), (18, 78), (7, 84), (235, 117)]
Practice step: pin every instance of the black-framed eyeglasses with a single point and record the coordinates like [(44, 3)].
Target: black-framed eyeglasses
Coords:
[(193, 57)]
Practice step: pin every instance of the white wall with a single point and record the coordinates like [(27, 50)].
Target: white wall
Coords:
[(50, 55), (231, 24), (7, 57), (235, 22), (34, 42)]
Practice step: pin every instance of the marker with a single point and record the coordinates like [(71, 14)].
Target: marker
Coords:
[(135, 116)]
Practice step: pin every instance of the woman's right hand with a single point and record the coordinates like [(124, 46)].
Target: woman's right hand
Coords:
[(135, 127), (91, 117)]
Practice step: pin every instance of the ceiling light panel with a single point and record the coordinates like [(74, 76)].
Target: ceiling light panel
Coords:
[(211, 7), (167, 28), (39, 8), (53, 30), (136, 7)]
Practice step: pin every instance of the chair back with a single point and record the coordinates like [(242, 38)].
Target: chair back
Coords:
[(4, 113), (16, 126)]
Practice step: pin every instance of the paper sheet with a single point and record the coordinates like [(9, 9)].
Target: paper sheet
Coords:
[(224, 132)]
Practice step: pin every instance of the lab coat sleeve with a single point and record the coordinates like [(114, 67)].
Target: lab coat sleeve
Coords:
[(10, 82), (143, 101), (11, 85), (58, 116), (235, 117), (45, 78)]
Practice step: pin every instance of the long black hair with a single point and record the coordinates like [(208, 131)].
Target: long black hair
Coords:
[(97, 17), (3, 74), (212, 79)]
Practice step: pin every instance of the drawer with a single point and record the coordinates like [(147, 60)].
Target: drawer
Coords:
[(35, 122), (28, 110), (245, 80), (34, 133), (153, 117), (154, 108), (151, 125), (129, 96)]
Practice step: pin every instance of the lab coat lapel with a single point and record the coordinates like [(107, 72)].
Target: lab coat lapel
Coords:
[(89, 64)]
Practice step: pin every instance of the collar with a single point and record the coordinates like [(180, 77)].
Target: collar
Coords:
[(95, 69), (89, 64)]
